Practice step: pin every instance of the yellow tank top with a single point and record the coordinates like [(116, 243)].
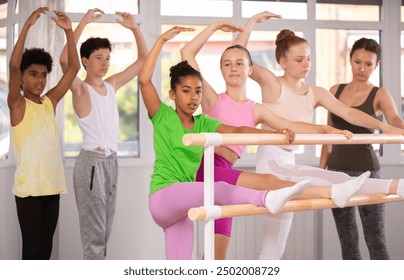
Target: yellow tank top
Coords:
[(35, 141)]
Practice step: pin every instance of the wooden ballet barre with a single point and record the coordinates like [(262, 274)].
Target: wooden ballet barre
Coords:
[(211, 211), (217, 139), (227, 211)]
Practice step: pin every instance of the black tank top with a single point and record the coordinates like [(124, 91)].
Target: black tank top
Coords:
[(354, 157)]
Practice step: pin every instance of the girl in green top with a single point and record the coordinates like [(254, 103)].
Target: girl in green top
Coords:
[(173, 190)]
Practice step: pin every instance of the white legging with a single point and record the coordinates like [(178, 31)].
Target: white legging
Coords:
[(276, 227), (280, 162)]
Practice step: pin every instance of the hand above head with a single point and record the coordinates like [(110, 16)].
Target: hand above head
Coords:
[(171, 33), (263, 16), (227, 26), (35, 15), (128, 20), (92, 15), (62, 20)]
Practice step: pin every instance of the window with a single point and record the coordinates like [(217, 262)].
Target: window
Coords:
[(334, 46), (108, 7), (288, 9), (369, 10), (3, 9), (200, 8), (402, 11)]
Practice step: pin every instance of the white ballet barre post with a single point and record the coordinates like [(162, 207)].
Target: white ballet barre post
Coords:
[(212, 140), (209, 211)]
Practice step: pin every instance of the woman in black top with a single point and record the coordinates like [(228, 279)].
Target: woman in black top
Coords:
[(354, 159)]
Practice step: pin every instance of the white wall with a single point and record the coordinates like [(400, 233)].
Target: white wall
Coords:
[(136, 236)]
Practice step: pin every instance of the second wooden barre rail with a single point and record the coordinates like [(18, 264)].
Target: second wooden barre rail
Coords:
[(226, 211), (210, 140)]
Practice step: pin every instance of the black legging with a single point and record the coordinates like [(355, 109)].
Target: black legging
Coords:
[(372, 217), (38, 217)]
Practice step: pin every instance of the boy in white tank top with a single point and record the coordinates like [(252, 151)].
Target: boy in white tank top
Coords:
[(95, 108)]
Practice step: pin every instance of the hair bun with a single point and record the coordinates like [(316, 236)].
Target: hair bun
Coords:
[(179, 67), (284, 34)]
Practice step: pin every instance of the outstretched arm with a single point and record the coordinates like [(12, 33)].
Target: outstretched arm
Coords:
[(267, 117), (351, 115), (73, 62), (266, 79), (290, 135), (15, 100), (191, 49), (150, 96), (132, 71)]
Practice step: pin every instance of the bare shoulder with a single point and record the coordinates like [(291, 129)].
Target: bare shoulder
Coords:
[(259, 111), (81, 100), (382, 92), (319, 90), (334, 88), (383, 95)]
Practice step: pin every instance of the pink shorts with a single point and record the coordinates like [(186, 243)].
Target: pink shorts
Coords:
[(224, 171)]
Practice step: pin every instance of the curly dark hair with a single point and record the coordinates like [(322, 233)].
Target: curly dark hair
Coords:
[(180, 70), (36, 56)]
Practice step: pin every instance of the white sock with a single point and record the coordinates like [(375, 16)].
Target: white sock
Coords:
[(276, 199), (341, 193), (400, 188)]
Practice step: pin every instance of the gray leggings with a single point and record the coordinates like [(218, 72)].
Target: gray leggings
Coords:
[(372, 217), (95, 178)]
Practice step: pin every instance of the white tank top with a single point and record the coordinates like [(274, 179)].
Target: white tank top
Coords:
[(101, 127)]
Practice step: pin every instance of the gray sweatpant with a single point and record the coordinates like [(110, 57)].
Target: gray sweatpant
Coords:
[(95, 186)]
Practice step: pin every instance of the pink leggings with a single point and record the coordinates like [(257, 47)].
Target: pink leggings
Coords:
[(169, 208), (223, 171)]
